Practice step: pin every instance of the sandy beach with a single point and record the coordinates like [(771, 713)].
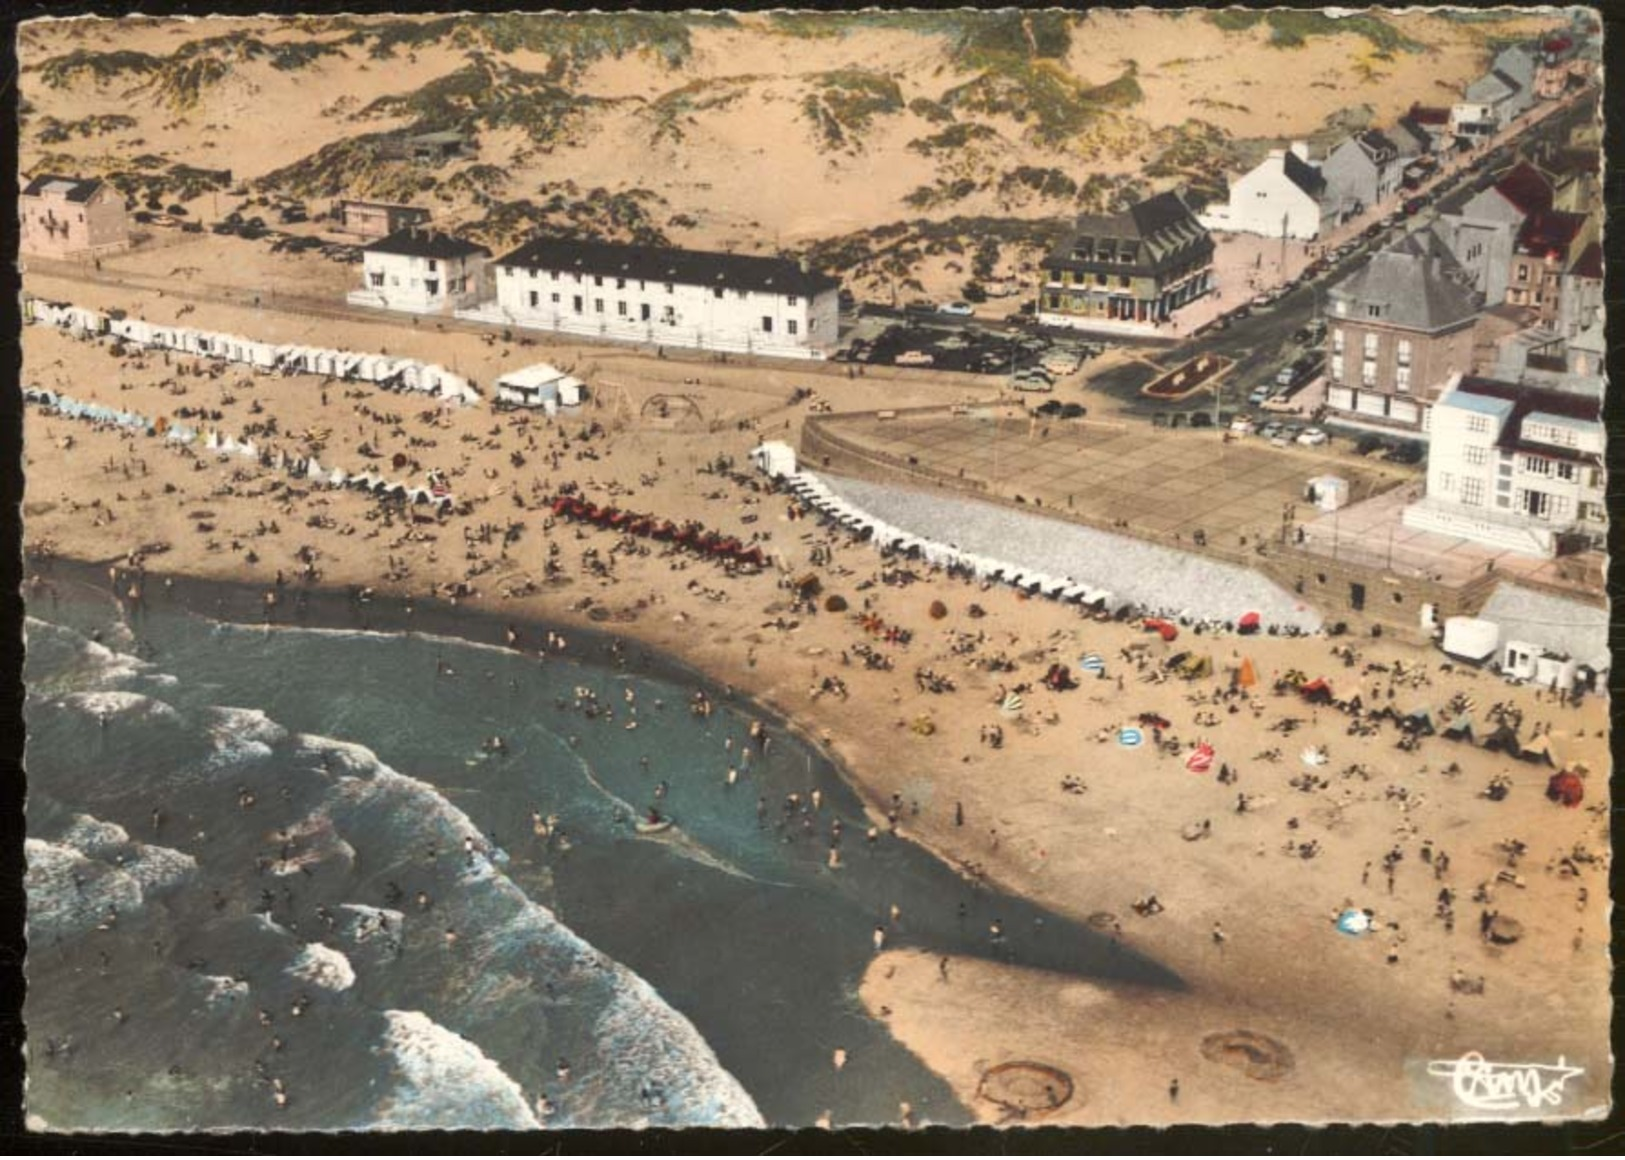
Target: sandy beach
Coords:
[(1358, 1014)]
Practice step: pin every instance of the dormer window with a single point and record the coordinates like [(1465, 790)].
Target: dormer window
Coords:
[(1373, 311)]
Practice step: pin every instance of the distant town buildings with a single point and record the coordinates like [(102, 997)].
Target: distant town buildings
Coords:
[(71, 217), (377, 219), (1281, 197), (1481, 227), (1361, 171), (1398, 328), (1127, 272), (422, 271), (667, 297), (1547, 248), (1514, 467)]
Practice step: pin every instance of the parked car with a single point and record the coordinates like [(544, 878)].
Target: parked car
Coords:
[(1241, 425), (1258, 395), (1312, 437), (914, 358), (1413, 206), (1270, 431), (958, 309)]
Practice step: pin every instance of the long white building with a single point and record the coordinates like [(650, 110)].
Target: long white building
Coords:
[(1280, 197), (665, 297), (1514, 467)]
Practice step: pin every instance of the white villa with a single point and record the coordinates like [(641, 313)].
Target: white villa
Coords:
[(422, 271), (665, 297), (1514, 467), (1280, 198)]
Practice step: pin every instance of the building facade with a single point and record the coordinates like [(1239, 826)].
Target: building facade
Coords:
[(421, 271), (1515, 467), (1279, 198), (71, 217), (1546, 248), (666, 297), (377, 219), (1364, 170), (1127, 272), (1482, 228), (1398, 329)]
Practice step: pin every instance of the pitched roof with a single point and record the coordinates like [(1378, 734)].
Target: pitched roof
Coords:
[(1162, 229), (1589, 263), (1301, 174), (1545, 405), (421, 242), (1493, 86), (1549, 232), (71, 188), (662, 264), (1429, 114), (1377, 145), (1525, 187), (1417, 284)]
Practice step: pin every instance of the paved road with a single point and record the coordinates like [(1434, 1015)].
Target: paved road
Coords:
[(1262, 342)]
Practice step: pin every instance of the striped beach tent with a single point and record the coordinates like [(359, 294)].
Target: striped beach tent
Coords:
[(1130, 738), (1092, 663)]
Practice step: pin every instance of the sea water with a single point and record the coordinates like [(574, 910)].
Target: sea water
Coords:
[(280, 877)]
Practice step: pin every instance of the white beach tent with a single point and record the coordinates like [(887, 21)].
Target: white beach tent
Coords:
[(313, 469), (336, 477), (570, 389)]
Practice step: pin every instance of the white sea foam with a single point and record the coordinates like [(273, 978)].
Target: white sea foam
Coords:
[(652, 1044), (95, 838), (323, 967), (229, 727), (59, 906), (444, 1081), (221, 989), (116, 703)]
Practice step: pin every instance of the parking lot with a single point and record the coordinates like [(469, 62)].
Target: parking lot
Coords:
[(1166, 485)]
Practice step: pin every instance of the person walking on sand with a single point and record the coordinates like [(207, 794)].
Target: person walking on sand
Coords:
[(942, 969), (1173, 1090), (839, 1058), (879, 938)]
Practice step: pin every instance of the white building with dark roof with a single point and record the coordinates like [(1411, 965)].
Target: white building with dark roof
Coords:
[(422, 271), (1515, 467), (1281, 197), (666, 297)]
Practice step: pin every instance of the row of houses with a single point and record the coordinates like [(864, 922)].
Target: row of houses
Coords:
[(1292, 196)]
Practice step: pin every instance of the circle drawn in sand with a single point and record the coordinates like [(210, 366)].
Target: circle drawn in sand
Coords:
[(1025, 1088), (1102, 920), (1257, 1056)]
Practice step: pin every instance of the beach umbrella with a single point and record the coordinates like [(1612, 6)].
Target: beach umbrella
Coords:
[(1012, 703), (1130, 738), (1540, 749), (1248, 623), (1092, 663), (1246, 673), (1162, 628), (1201, 759), (1317, 691)]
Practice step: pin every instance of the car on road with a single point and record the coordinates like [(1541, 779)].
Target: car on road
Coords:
[(1414, 206), (914, 358), (1312, 437), (957, 309)]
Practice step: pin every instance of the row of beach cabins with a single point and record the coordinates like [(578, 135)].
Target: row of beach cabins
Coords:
[(386, 371)]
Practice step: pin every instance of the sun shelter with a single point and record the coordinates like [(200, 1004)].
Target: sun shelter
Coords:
[(1420, 721), (1328, 492), (1197, 667), (1317, 691), (1463, 728), (1248, 623), (1541, 749), (1504, 740), (1162, 628), (571, 391), (1246, 674), (1566, 788)]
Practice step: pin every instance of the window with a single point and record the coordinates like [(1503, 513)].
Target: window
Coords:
[(1594, 512), (532, 272), (791, 327), (1337, 339), (644, 310), (1402, 379), (597, 305), (1565, 472), (1370, 345), (620, 309), (1559, 507), (431, 286), (597, 279), (739, 294), (1340, 308), (1373, 311), (575, 300), (669, 288), (793, 300), (716, 292), (433, 266), (1478, 423), (1122, 281), (1472, 492), (1534, 465), (1403, 352), (1368, 373), (1475, 456), (1337, 368), (376, 277), (1523, 272), (535, 299), (620, 283), (767, 324), (555, 299)]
